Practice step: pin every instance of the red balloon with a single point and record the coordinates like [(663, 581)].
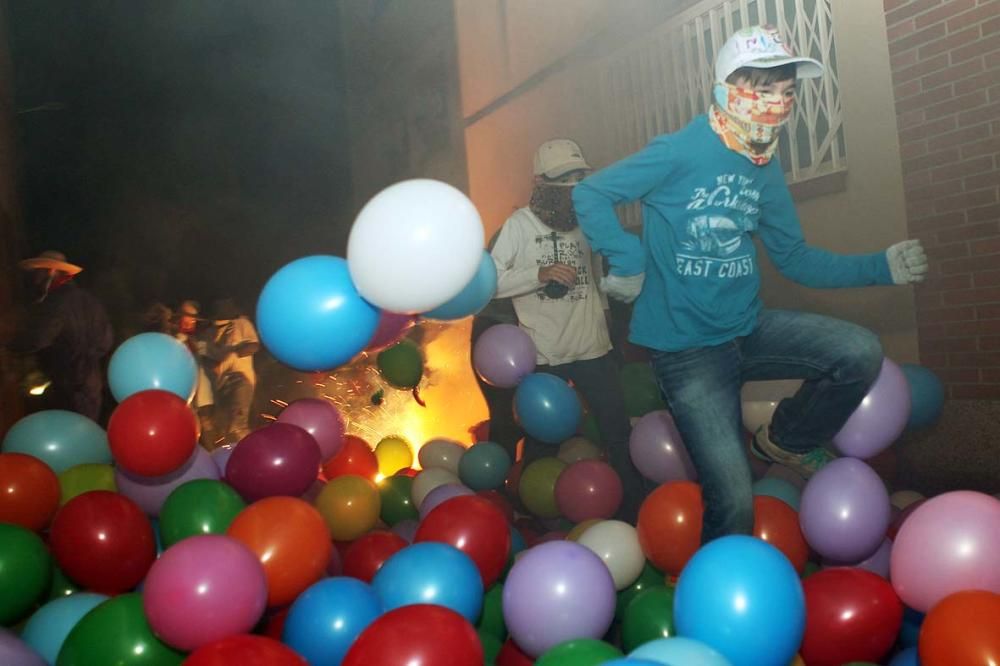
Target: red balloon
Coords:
[(355, 457), (778, 524), (407, 472), (511, 655), (152, 433), (417, 635), (366, 555), (496, 498), (474, 526), (29, 491), (245, 650), (103, 541), (851, 615)]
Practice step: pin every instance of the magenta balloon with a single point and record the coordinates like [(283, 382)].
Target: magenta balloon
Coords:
[(880, 418), (150, 492), (877, 563), (202, 589), (440, 494), (844, 511), (588, 489), (503, 355), (948, 544), (657, 449), (320, 419), (278, 459), (391, 327)]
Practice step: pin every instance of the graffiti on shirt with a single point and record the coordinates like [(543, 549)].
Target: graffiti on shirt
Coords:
[(713, 241), (554, 248)]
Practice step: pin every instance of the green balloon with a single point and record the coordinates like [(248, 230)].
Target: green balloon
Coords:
[(809, 569), (397, 501), (491, 646), (648, 617), (202, 506), (83, 478), (590, 430), (116, 632), (579, 652), (640, 391), (61, 585), (402, 365), (25, 572), (650, 577), (491, 620), (538, 486)]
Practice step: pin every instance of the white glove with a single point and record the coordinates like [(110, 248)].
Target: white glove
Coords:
[(623, 287), (907, 262)]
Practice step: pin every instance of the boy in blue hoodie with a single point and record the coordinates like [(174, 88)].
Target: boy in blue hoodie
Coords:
[(706, 190)]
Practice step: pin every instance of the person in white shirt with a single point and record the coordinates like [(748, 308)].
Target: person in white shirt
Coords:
[(230, 345), (545, 265)]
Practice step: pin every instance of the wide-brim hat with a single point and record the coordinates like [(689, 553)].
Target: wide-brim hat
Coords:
[(50, 260)]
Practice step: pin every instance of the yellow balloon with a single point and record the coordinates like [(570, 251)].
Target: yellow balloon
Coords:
[(83, 478), (350, 505), (393, 454), (578, 529)]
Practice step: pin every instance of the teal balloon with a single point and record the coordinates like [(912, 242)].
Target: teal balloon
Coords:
[(49, 626), (926, 396), (473, 297), (152, 361), (640, 391), (491, 619), (59, 438), (779, 488), (484, 466)]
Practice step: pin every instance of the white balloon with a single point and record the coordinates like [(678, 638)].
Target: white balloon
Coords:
[(415, 245), (617, 544), (441, 453), (428, 480)]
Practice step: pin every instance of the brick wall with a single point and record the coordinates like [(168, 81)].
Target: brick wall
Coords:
[(945, 58)]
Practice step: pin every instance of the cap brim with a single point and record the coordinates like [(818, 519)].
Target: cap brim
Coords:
[(807, 68), (50, 264), (563, 169)]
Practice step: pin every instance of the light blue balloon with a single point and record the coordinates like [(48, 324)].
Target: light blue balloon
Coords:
[(48, 627), (742, 597), (311, 316), (431, 573), (629, 661), (778, 488), (59, 438), (473, 297), (679, 651), (907, 657), (326, 618), (152, 361), (926, 396), (484, 466), (547, 407)]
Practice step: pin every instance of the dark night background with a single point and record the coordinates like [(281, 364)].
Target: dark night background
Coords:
[(183, 149)]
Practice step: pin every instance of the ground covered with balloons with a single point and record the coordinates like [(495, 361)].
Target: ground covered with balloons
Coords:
[(303, 544)]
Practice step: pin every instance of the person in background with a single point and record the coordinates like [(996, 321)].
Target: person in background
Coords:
[(545, 265), (706, 192), (189, 325), (230, 343)]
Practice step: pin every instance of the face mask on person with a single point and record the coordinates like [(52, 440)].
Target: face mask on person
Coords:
[(552, 203), (749, 121)]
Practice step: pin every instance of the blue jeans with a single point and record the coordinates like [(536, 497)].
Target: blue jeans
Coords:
[(839, 361)]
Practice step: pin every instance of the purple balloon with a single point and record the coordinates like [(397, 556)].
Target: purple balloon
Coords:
[(555, 592), (15, 652), (845, 511), (880, 418), (391, 327), (320, 419), (657, 449), (440, 494), (503, 355), (221, 457), (150, 492), (877, 563), (278, 459), (406, 529)]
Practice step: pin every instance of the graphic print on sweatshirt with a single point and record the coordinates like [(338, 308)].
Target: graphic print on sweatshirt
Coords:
[(554, 247), (712, 245)]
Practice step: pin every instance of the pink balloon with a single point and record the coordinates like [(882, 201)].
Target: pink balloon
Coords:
[(391, 328), (202, 589), (948, 544), (657, 450), (150, 492), (319, 418), (588, 489), (880, 418)]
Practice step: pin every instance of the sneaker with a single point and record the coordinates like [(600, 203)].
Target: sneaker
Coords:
[(806, 464)]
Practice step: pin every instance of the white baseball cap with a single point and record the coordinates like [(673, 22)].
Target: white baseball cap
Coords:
[(761, 46), (558, 157)]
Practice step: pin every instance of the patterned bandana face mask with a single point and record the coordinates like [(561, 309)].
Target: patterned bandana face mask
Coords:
[(553, 204), (749, 122)]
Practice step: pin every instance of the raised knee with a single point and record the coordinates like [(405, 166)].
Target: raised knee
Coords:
[(863, 357)]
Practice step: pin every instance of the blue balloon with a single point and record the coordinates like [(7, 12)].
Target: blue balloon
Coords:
[(678, 651), (547, 407), (517, 543), (742, 597), (926, 396), (59, 438), (431, 573), (909, 631), (473, 297), (779, 488), (311, 316), (152, 361), (484, 466), (325, 619), (48, 627), (907, 657)]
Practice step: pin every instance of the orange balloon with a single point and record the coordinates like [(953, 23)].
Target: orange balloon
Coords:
[(29, 491), (291, 541), (963, 628), (355, 457), (778, 524), (669, 525), (350, 505)]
